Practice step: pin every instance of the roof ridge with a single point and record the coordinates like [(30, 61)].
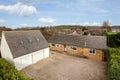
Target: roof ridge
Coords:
[(21, 30)]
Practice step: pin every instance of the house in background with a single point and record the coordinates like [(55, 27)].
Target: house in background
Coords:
[(23, 48), (92, 47), (115, 29)]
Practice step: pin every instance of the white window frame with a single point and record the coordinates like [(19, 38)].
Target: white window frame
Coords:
[(92, 51), (72, 47), (59, 45)]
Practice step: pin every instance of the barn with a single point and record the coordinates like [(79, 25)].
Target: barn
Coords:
[(23, 48), (92, 47)]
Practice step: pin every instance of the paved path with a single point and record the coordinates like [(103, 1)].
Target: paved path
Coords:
[(64, 67)]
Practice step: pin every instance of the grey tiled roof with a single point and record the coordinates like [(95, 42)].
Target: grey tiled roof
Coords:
[(25, 42), (96, 42)]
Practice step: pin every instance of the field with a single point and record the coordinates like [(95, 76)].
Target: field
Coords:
[(65, 67)]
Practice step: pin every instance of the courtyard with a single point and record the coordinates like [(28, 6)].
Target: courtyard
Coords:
[(65, 67)]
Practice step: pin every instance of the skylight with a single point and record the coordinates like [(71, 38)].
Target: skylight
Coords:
[(38, 40), (21, 42), (30, 41)]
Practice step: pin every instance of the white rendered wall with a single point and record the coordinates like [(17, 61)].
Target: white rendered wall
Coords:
[(46, 52), (26, 60), (5, 50), (23, 61), (38, 55)]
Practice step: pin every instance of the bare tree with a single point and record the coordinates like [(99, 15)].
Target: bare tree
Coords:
[(106, 26)]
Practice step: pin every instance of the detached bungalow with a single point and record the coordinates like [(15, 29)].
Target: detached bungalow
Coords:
[(23, 48), (92, 47)]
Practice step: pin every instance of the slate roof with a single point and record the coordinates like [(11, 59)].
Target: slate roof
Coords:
[(96, 42), (25, 42)]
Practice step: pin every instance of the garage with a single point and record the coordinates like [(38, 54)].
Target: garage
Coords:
[(38, 56), (26, 60), (24, 48), (34, 57), (46, 54)]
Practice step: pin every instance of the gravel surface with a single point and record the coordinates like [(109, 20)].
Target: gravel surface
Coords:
[(65, 67)]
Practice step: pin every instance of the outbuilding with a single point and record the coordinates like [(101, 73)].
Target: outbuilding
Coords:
[(23, 48), (92, 47)]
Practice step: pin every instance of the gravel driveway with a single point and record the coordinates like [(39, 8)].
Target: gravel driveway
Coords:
[(65, 67)]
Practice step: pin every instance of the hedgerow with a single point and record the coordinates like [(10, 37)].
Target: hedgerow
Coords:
[(114, 63), (113, 40), (8, 72)]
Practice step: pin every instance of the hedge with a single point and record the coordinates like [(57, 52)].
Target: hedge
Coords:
[(113, 40), (114, 64), (8, 72)]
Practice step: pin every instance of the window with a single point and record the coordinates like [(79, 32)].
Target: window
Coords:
[(59, 45), (37, 39), (92, 51), (30, 41), (52, 44), (73, 47), (20, 42)]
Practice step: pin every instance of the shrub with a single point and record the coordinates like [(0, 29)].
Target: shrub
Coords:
[(8, 72), (114, 63), (113, 40)]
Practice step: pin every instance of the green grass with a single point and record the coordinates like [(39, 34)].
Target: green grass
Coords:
[(111, 33)]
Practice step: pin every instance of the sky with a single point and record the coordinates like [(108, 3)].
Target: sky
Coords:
[(23, 13)]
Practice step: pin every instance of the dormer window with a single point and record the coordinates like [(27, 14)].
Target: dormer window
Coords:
[(20, 42)]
